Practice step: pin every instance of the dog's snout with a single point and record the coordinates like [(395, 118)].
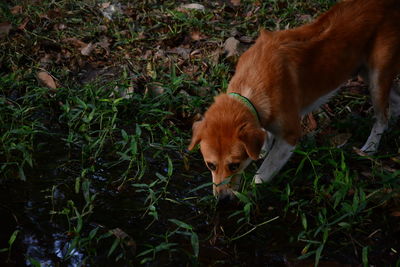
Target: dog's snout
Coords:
[(224, 199)]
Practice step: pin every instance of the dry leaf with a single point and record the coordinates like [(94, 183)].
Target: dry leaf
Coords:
[(45, 60), (195, 52), (231, 46), (60, 27), (87, 50), (214, 56), (197, 35), (75, 42), (395, 213), (16, 10), (105, 5), (150, 70), (359, 152), (128, 240), (102, 28), (5, 28), (311, 122), (396, 159), (105, 44), (235, 2), (203, 91), (246, 39), (46, 79), (305, 18), (109, 10), (192, 6), (340, 139), (183, 52), (22, 26), (155, 89), (389, 169)]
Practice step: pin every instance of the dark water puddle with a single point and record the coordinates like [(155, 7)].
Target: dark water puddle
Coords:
[(25, 207), (46, 238)]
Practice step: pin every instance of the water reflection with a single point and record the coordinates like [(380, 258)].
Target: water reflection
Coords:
[(39, 251)]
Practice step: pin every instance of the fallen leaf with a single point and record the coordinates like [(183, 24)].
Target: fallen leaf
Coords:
[(127, 239), (193, 6), (46, 79), (110, 10), (231, 46), (105, 44), (105, 5), (395, 213), (191, 69), (311, 122), (183, 52), (5, 28), (22, 26), (197, 35), (396, 159), (128, 92), (203, 91), (305, 18), (16, 10), (60, 26), (235, 2), (246, 39), (195, 52), (340, 140), (388, 168), (87, 50), (75, 42), (45, 60), (359, 152), (150, 70), (102, 28), (155, 89), (214, 56)]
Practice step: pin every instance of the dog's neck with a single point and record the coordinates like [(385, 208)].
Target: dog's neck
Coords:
[(248, 104), (259, 100)]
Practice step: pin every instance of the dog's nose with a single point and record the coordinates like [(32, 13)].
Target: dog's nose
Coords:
[(224, 199)]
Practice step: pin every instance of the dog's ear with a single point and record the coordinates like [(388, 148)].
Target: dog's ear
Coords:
[(196, 135), (253, 138)]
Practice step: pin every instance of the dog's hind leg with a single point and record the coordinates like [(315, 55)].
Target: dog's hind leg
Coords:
[(395, 100), (380, 87)]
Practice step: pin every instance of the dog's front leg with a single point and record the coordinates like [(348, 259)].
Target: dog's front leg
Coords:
[(276, 158)]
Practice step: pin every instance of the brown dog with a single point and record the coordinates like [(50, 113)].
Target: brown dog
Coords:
[(287, 74)]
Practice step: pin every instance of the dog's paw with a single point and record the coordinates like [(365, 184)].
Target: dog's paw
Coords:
[(362, 153), (368, 149), (257, 179)]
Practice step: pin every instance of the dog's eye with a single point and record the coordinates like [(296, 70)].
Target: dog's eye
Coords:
[(233, 166), (211, 166)]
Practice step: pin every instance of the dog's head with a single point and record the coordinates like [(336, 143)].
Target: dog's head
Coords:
[(230, 137)]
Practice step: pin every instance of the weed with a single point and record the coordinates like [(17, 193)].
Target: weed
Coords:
[(109, 143)]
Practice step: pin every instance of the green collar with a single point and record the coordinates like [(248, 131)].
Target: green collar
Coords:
[(248, 103)]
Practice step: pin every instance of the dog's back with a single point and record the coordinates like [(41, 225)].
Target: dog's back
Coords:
[(314, 59)]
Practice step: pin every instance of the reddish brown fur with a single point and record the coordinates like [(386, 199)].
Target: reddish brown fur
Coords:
[(284, 72)]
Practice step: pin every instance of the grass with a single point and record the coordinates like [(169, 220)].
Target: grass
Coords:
[(105, 155)]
